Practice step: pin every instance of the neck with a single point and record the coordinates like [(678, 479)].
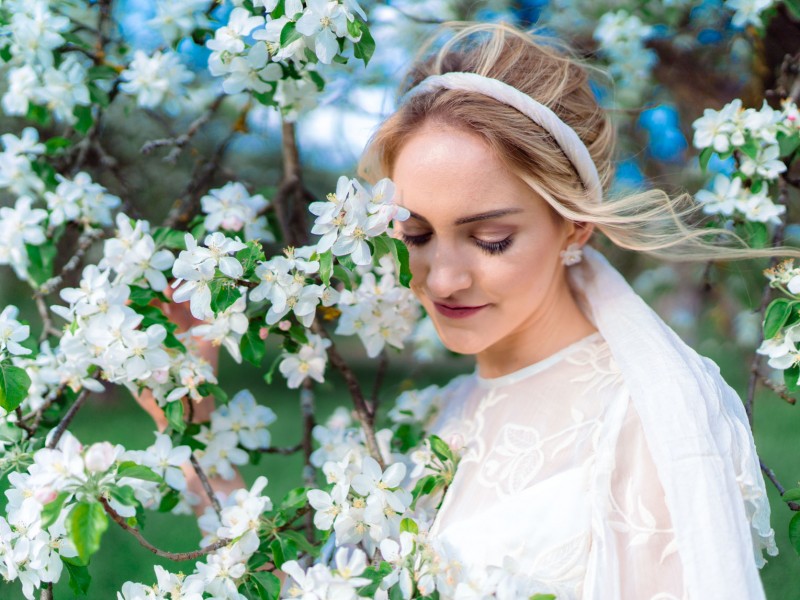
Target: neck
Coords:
[(558, 323)]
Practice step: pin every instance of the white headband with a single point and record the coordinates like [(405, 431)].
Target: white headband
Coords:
[(565, 136)]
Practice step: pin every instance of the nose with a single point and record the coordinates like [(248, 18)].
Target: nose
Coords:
[(448, 271)]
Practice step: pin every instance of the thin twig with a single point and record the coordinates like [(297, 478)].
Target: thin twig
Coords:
[(47, 592), (779, 389), (774, 479), (176, 556), (84, 243), (360, 405), (47, 323), (178, 143), (67, 419), (20, 423), (309, 473), (206, 485)]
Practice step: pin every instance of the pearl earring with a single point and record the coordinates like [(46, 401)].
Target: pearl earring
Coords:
[(572, 255)]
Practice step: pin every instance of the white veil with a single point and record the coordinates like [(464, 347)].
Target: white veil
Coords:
[(697, 432)]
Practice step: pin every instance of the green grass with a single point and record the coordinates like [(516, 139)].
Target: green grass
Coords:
[(117, 418)]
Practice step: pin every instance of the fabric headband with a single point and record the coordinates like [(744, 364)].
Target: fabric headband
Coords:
[(565, 136)]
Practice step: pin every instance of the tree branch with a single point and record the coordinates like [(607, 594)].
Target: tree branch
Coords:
[(282, 451), (206, 485), (67, 419), (85, 241), (178, 143), (774, 479), (176, 556)]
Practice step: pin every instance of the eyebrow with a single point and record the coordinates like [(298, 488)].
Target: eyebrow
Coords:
[(492, 214)]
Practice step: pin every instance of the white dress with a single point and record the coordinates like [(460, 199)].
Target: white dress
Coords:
[(556, 482)]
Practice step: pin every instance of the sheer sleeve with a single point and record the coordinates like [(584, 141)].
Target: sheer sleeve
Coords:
[(643, 537)]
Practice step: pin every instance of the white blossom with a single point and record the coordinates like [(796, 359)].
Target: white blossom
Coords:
[(156, 80)]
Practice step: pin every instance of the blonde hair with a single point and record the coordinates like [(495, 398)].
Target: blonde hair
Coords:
[(649, 221)]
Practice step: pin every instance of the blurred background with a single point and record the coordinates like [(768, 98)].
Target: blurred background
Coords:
[(668, 61)]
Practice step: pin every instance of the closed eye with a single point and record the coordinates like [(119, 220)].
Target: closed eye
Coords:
[(488, 247)]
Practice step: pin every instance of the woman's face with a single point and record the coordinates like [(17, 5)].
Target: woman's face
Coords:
[(484, 247)]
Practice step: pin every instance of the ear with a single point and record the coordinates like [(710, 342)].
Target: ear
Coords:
[(578, 232)]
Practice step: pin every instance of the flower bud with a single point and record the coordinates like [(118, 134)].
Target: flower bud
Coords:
[(99, 457)]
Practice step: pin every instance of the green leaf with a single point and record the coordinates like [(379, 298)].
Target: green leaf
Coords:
[(344, 275), (169, 238), (402, 258), (750, 149), (267, 584), (52, 509), (326, 267), (365, 47), (14, 385), (354, 28), (791, 377), (792, 495), (301, 542), (776, 315), (41, 258), (289, 34), (425, 485), (101, 72), (249, 257), (85, 118), (440, 448), (169, 501), (124, 494), (376, 575), (317, 79), (794, 532), (174, 413), (223, 294), (79, 577), (252, 346), (277, 553), (212, 389), (298, 333), (131, 469), (788, 143), (86, 524), (56, 143), (5, 54), (543, 597), (38, 114), (143, 296), (76, 40), (409, 525), (98, 95), (705, 156)]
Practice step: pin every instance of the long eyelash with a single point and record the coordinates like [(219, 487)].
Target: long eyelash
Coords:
[(494, 247), (415, 240)]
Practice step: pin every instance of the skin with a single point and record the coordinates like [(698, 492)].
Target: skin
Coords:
[(445, 176)]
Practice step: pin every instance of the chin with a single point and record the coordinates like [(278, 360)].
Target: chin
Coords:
[(463, 342)]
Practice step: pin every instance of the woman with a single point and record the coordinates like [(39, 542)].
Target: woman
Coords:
[(601, 457)]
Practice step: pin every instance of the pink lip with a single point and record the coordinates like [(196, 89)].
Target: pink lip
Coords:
[(457, 312)]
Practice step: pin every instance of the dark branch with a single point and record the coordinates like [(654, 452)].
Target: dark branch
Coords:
[(177, 556), (206, 485), (62, 426)]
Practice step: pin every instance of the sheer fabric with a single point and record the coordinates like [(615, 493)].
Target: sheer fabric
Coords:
[(556, 482)]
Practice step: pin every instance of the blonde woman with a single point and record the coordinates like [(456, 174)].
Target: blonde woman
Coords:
[(602, 457)]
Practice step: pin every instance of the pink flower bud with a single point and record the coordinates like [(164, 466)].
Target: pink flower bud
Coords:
[(263, 333), (160, 375), (99, 457), (232, 223), (285, 325), (45, 495)]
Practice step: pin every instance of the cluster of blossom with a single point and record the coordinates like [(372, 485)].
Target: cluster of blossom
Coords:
[(380, 312), (417, 406), (31, 545), (241, 422), (196, 267), (80, 199), (156, 81), (747, 12), (31, 34), (309, 361), (232, 208), (755, 134), (782, 349), (353, 214), (187, 372), (321, 581), (284, 281), (227, 327), (133, 256), (621, 37), (313, 27), (223, 570)]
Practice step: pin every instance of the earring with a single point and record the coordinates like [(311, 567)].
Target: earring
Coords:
[(572, 255)]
